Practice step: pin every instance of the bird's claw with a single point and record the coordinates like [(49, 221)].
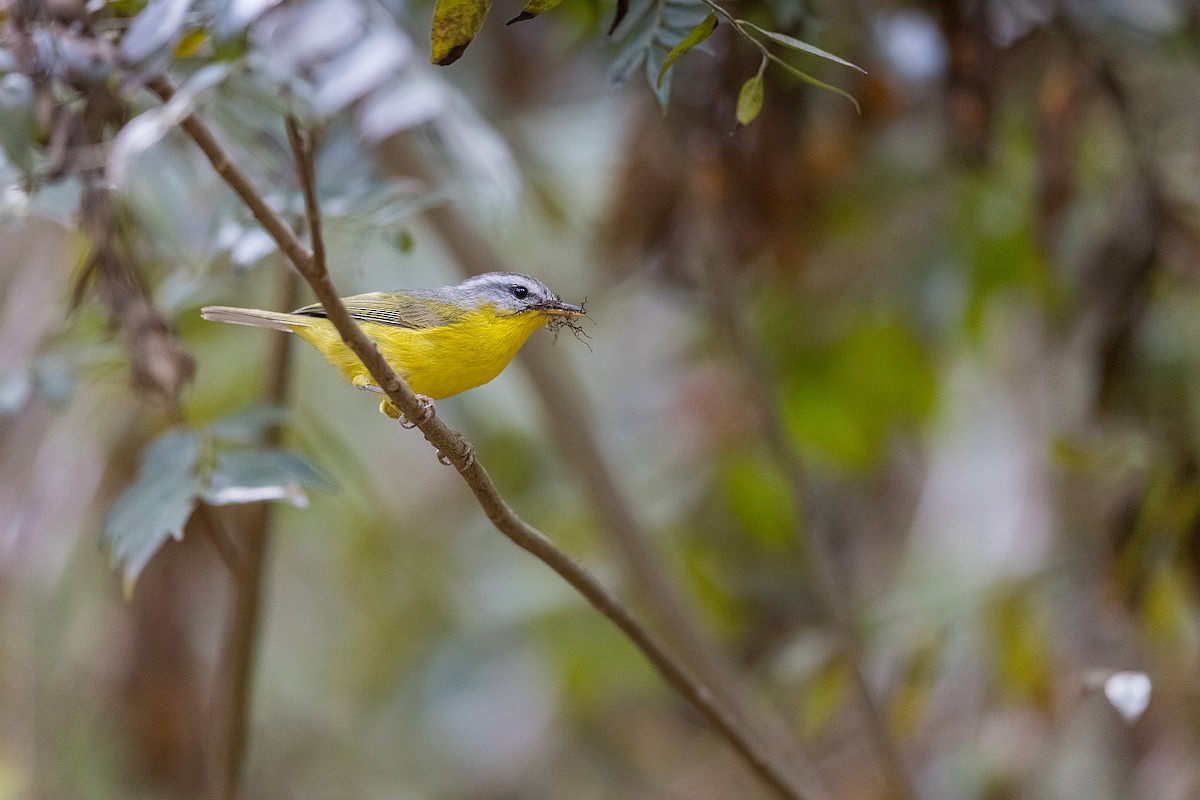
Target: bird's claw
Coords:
[(468, 459), (427, 411)]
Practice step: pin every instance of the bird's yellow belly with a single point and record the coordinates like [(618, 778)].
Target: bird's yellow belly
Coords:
[(436, 362)]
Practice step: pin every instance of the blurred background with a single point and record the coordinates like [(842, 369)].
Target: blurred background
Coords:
[(886, 420)]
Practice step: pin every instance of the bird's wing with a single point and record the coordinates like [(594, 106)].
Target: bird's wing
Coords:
[(392, 308)]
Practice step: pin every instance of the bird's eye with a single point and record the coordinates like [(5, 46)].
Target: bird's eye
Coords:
[(519, 291)]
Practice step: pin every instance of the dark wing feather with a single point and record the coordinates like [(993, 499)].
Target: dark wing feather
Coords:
[(393, 308)]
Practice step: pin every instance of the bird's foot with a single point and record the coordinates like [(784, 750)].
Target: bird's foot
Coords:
[(468, 460), (389, 408), (427, 411)]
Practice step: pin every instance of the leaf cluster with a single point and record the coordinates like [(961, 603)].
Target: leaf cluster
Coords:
[(214, 464)]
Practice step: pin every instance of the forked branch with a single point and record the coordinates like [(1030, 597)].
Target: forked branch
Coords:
[(452, 447)]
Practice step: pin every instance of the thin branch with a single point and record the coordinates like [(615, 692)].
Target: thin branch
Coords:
[(829, 582), (572, 431), (234, 691), (283, 235), (452, 447), (303, 147)]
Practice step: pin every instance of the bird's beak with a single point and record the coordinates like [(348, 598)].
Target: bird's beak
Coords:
[(561, 309)]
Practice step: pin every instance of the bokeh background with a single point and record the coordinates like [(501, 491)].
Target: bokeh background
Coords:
[(886, 419)]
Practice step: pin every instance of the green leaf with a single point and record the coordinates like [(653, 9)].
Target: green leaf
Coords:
[(824, 695), (796, 44), (455, 23), (647, 35), (250, 476), (750, 99), (532, 9), (847, 397), (698, 35), (759, 499), (156, 505), (820, 84)]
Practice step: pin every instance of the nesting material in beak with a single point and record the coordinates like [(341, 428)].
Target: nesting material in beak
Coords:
[(561, 309)]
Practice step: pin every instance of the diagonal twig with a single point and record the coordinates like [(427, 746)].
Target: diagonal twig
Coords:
[(825, 573), (458, 452), (571, 427)]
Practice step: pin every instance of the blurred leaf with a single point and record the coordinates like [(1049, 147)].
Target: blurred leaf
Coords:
[(823, 696), (135, 137), (998, 239), (1169, 616), (514, 458), (248, 476), (455, 23), (750, 99), (237, 15), (190, 43), (157, 27), (1023, 658), (846, 398), (146, 129), (533, 8), (592, 662), (124, 8), (371, 61), (722, 582), (912, 692), (405, 241), (297, 38), (18, 128), (651, 30), (760, 501), (410, 99), (698, 35), (796, 44), (1167, 513), (156, 505)]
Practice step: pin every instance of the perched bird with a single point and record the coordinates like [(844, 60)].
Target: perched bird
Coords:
[(442, 341)]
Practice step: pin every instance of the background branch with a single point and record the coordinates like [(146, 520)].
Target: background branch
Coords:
[(830, 584), (572, 430), (454, 448), (234, 690)]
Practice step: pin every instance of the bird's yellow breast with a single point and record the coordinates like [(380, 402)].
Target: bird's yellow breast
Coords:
[(437, 362)]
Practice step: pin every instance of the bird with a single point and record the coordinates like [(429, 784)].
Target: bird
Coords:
[(442, 341)]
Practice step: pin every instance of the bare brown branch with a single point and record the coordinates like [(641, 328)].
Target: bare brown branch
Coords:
[(571, 428), (458, 452)]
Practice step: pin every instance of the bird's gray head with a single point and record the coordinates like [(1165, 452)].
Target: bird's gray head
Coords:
[(514, 293)]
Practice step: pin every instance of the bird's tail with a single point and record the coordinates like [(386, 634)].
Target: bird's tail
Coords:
[(255, 317)]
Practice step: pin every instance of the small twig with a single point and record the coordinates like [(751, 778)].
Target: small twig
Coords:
[(571, 428), (827, 577), (302, 146), (460, 453)]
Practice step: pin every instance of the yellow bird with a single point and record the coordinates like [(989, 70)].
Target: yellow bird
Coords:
[(442, 341)]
